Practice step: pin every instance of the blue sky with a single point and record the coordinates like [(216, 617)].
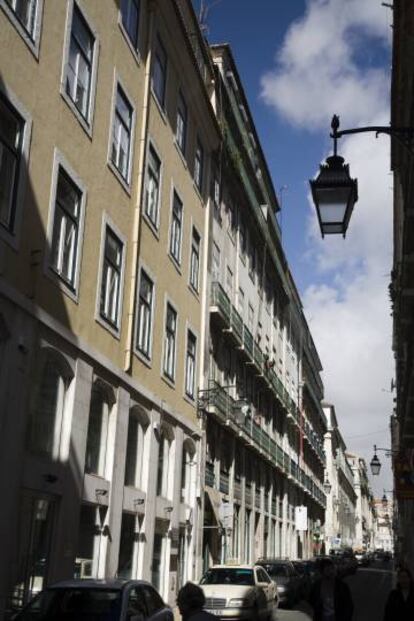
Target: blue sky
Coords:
[(300, 62)]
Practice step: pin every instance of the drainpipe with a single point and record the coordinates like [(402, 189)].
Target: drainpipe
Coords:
[(141, 180)]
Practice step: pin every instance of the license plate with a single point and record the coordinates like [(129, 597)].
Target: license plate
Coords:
[(215, 612)]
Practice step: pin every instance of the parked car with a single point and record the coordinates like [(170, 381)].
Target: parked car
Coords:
[(97, 600), (286, 577), (239, 592), (362, 559)]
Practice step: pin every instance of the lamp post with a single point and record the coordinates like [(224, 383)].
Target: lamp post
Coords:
[(334, 192)]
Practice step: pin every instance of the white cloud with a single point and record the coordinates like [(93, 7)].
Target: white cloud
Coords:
[(317, 73)]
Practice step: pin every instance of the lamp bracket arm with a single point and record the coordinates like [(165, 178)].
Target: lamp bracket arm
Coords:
[(404, 135)]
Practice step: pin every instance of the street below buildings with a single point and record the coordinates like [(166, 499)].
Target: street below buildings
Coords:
[(369, 587)]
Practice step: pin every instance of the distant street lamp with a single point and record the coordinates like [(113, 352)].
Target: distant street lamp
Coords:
[(334, 192), (384, 501)]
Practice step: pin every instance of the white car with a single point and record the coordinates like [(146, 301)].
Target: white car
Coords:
[(239, 592)]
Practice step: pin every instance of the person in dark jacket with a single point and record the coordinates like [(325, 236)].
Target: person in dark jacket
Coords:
[(330, 598), (400, 602), (190, 601)]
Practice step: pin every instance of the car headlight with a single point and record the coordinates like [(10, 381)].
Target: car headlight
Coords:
[(281, 588), (239, 603)]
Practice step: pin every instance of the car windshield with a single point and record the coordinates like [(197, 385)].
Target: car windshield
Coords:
[(73, 604), (228, 576), (275, 569)]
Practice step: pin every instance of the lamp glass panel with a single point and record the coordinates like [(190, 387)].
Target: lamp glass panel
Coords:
[(333, 203)]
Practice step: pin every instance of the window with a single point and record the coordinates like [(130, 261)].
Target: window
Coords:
[(159, 72), (216, 260), (65, 234), (163, 465), (121, 136), (181, 130), (198, 165), (152, 188), (80, 63), (145, 310), (241, 302), (195, 260), (250, 317), (216, 191), (170, 340), (111, 278), (130, 19), (127, 545), (11, 137), (96, 444), (137, 426), (190, 364), (25, 11), (45, 425), (176, 227)]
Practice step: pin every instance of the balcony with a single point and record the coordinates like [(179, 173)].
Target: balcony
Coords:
[(237, 490), (257, 499), (248, 493), (274, 506)]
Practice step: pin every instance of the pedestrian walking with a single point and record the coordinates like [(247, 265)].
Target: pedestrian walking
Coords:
[(190, 602), (330, 597), (400, 602)]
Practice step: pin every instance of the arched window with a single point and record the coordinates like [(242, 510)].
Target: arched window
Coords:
[(186, 470), (164, 457), (102, 400), (137, 428), (48, 405)]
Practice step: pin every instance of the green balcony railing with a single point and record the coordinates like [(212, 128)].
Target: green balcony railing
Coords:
[(209, 475), (248, 341)]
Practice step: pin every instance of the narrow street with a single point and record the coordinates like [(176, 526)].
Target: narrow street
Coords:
[(369, 587)]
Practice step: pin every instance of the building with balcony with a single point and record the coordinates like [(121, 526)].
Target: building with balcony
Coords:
[(261, 389), (341, 501), (106, 130), (365, 516), (384, 533)]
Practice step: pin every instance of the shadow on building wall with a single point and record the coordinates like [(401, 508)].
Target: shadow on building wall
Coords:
[(40, 491)]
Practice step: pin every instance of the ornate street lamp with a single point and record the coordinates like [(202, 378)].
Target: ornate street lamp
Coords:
[(384, 501), (334, 192), (327, 485), (375, 463)]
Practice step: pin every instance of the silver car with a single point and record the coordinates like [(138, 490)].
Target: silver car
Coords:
[(97, 600), (239, 592)]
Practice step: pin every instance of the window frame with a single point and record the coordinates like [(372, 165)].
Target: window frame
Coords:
[(146, 356), (32, 40), (12, 235), (85, 122), (182, 141), (176, 259), (199, 164), (154, 224), (126, 182), (195, 286), (115, 329), (60, 163), (165, 372), (159, 45), (190, 394)]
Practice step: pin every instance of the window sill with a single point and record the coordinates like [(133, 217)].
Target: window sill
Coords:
[(159, 106), (124, 183), (170, 382), (142, 358), (180, 153), (73, 294), (84, 123), (189, 400), (194, 292), (198, 192), (154, 229), (116, 332), (175, 263)]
